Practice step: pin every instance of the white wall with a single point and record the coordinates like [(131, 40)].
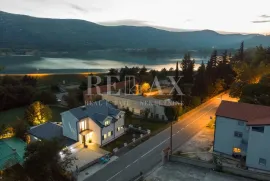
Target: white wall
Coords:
[(105, 130), (119, 123), (96, 136), (259, 147), (135, 105), (225, 140), (69, 125)]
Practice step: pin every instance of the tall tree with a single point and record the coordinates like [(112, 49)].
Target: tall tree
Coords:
[(187, 66), (211, 68), (200, 83), (44, 163), (38, 113), (225, 57), (241, 52), (176, 77)]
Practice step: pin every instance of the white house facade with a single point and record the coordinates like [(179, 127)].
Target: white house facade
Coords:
[(99, 122), (243, 130), (138, 104)]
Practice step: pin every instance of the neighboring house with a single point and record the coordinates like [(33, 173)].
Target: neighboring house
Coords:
[(11, 152), (92, 93), (138, 104), (48, 131), (99, 122), (244, 130)]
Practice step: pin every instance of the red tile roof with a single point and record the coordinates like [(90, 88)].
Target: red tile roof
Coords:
[(103, 88), (251, 113)]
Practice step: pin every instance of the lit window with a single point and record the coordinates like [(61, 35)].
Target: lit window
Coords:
[(262, 161), (119, 128), (107, 123), (236, 150), (104, 136), (110, 134)]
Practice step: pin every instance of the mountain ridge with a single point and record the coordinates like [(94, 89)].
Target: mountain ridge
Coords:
[(22, 31)]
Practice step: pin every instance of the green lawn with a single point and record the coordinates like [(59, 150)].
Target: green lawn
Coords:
[(119, 142), (10, 116), (154, 126)]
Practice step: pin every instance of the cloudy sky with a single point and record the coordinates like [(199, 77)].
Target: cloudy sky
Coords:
[(247, 16)]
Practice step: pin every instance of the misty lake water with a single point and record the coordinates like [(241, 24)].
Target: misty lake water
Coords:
[(98, 62)]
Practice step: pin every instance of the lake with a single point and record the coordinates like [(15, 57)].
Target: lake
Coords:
[(92, 62)]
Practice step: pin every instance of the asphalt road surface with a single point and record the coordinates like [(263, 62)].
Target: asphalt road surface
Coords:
[(148, 154)]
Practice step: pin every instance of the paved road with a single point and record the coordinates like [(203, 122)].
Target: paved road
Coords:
[(148, 154)]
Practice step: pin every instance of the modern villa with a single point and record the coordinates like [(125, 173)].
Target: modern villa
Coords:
[(243, 130), (99, 122)]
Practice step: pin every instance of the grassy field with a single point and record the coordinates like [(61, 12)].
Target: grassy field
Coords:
[(10, 116), (154, 126), (119, 142)]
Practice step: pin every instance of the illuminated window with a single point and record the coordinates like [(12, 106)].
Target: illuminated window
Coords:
[(83, 125), (119, 128), (236, 150), (107, 123), (104, 136), (110, 134)]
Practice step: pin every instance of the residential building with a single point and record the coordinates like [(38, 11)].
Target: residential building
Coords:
[(99, 122), (11, 152), (48, 131), (139, 104), (243, 130), (92, 93)]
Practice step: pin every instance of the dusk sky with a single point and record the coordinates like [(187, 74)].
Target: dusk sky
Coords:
[(247, 16)]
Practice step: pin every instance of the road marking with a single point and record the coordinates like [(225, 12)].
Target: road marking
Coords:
[(206, 105), (177, 131), (115, 175), (155, 147)]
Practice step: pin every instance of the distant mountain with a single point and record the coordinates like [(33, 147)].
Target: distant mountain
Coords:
[(20, 31)]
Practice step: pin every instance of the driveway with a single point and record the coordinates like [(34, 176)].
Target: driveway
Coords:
[(148, 154), (86, 155)]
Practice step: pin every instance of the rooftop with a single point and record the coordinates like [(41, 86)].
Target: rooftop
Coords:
[(97, 111), (49, 131), (11, 152), (250, 113), (103, 88)]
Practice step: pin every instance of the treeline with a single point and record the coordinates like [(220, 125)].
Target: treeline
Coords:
[(252, 84), (17, 92), (209, 80)]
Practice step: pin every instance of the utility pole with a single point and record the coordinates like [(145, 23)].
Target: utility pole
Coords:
[(171, 136)]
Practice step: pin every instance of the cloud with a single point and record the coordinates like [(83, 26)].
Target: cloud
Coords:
[(261, 21), (78, 8), (265, 16)]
